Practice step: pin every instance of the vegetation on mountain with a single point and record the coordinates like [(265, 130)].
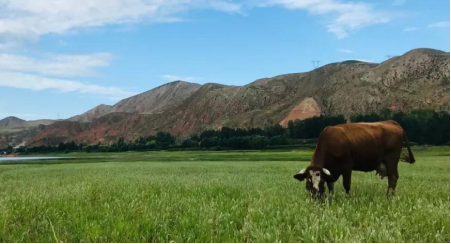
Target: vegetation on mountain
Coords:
[(424, 127)]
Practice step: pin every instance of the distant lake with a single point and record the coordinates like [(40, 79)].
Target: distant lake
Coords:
[(3, 159)]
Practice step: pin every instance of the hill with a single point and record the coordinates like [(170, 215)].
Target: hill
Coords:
[(14, 124), (15, 131), (418, 79), (157, 100)]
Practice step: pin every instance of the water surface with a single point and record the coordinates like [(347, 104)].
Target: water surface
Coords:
[(4, 159)]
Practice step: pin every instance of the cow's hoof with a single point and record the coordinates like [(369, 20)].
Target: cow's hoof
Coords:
[(390, 193)]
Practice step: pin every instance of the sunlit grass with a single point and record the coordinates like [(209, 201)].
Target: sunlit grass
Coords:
[(217, 197)]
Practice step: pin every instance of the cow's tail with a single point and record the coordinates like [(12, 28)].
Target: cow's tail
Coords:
[(408, 158)]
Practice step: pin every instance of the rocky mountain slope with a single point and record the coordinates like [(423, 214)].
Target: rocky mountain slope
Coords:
[(14, 124), (15, 131), (92, 114), (418, 79), (157, 100)]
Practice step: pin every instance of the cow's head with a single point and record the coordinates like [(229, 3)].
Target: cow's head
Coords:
[(315, 178)]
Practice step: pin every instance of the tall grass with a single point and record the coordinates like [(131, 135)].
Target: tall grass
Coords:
[(155, 198)]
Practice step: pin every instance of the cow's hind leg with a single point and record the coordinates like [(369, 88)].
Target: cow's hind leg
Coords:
[(392, 181), (392, 172), (381, 170)]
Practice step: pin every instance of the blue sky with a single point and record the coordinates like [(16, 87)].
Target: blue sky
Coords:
[(61, 58)]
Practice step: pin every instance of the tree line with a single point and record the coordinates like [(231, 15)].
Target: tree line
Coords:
[(423, 127)]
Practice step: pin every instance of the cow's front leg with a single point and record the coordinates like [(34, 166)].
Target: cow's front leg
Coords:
[(330, 186), (347, 181)]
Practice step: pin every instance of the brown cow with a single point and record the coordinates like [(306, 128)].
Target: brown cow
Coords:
[(355, 146)]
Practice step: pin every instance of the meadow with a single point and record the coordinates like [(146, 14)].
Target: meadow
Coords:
[(208, 196)]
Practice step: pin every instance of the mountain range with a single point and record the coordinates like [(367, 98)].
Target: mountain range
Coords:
[(419, 79)]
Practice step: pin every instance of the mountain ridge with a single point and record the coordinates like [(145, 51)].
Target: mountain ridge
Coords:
[(152, 101), (254, 83), (419, 79), (12, 123)]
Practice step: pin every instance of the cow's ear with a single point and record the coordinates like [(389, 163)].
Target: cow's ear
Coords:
[(327, 175), (301, 175)]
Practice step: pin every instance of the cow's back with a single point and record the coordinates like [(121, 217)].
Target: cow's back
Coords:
[(366, 143)]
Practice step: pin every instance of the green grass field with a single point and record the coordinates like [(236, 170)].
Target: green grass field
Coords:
[(217, 197)]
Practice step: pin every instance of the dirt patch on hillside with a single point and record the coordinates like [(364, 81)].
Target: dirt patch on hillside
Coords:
[(308, 108)]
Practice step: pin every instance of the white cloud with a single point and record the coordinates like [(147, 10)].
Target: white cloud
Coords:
[(31, 18), (7, 45), (38, 83), (344, 17), (409, 29), (176, 78), (341, 50), (62, 43), (23, 72), (442, 24), (51, 64)]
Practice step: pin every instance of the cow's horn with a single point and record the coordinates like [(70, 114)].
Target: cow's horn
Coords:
[(302, 171), (326, 171)]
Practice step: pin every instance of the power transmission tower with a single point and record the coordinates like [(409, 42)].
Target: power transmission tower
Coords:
[(315, 63)]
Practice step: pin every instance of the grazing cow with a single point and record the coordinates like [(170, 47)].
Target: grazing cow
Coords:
[(355, 146)]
